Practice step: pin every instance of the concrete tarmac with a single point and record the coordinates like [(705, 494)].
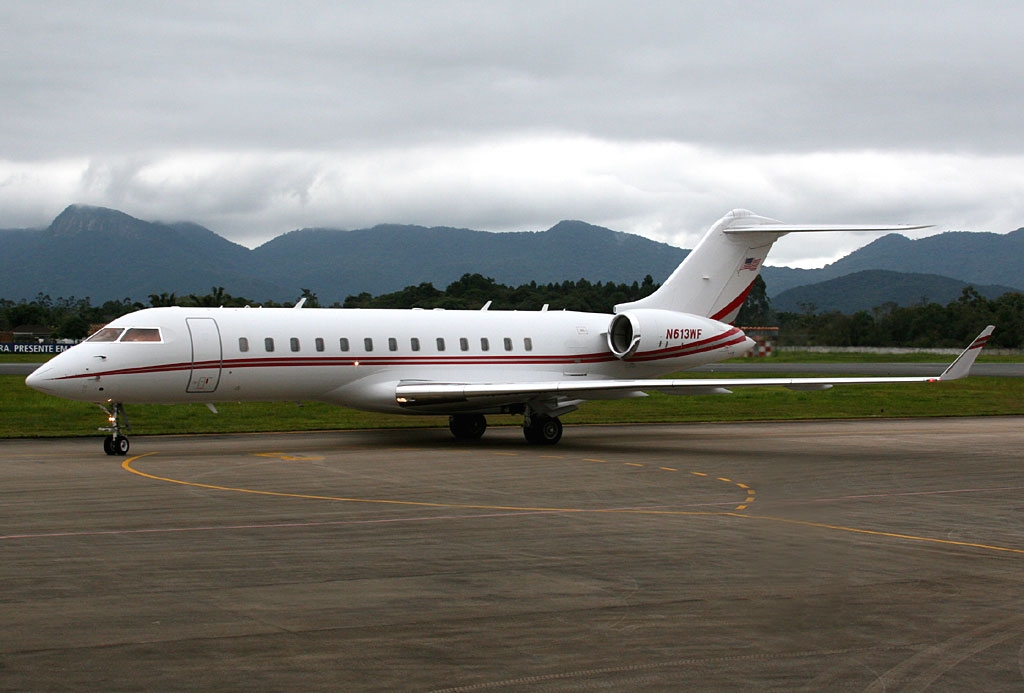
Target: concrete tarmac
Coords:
[(853, 555)]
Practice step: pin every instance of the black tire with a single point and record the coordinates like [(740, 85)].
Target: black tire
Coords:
[(108, 445), (467, 426), (119, 445), (543, 430)]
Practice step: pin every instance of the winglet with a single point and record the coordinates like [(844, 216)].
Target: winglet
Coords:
[(962, 365)]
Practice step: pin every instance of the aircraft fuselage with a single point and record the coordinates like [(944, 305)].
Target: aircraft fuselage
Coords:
[(357, 357)]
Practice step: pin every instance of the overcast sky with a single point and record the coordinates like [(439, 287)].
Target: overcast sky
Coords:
[(655, 118)]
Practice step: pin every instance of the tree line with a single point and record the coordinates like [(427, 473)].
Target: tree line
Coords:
[(922, 325)]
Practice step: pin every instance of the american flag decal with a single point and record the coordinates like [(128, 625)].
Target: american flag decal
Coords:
[(751, 263)]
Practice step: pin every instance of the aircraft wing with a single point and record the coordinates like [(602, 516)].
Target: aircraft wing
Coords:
[(413, 393)]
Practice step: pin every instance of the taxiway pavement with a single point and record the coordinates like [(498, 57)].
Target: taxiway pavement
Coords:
[(854, 555)]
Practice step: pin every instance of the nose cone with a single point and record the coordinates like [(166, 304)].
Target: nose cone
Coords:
[(42, 379)]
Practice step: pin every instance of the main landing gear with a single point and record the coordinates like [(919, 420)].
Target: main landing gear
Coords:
[(542, 430), (467, 426), (538, 429), (116, 443)]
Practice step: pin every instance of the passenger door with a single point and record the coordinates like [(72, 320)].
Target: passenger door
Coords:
[(206, 355)]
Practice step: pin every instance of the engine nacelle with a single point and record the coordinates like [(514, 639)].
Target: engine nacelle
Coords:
[(666, 332)]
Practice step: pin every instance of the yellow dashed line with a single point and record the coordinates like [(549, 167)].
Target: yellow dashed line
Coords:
[(299, 458), (127, 466), (287, 457), (878, 533)]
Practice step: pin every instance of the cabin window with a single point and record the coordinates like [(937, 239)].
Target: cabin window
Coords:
[(243, 344), (440, 343), (107, 334), (268, 344), (463, 343), (528, 343), (485, 344), (343, 343), (415, 343), (508, 344), (392, 344), (368, 343), (319, 343), (141, 334), (294, 343)]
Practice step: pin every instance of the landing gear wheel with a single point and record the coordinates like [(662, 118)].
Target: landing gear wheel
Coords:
[(120, 445), (115, 445), (467, 426), (542, 430)]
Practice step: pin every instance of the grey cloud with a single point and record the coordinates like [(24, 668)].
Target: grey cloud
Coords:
[(766, 76), (650, 117)]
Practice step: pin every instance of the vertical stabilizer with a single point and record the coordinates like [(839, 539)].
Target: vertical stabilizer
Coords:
[(715, 278)]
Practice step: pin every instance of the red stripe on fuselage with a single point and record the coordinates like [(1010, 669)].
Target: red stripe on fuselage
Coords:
[(334, 361), (729, 338)]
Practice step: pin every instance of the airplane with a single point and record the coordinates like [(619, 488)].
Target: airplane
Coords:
[(464, 364)]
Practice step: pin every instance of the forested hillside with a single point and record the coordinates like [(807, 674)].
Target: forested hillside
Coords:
[(924, 325), (107, 255)]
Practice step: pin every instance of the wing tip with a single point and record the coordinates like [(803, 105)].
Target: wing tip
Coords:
[(961, 366)]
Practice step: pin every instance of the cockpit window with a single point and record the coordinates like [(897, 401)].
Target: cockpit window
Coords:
[(141, 334), (107, 334)]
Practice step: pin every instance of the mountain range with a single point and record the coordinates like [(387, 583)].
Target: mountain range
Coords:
[(105, 254)]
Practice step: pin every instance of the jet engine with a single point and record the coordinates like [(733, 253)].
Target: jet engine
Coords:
[(650, 330)]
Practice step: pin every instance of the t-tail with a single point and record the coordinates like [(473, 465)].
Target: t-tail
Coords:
[(715, 278)]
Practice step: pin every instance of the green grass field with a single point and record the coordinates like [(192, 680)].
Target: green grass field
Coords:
[(25, 413), (793, 356)]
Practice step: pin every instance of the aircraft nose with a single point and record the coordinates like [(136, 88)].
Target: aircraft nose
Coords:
[(41, 379)]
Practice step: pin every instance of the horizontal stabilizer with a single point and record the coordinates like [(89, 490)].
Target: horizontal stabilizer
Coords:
[(815, 228)]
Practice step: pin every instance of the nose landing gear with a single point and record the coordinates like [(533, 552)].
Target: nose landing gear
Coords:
[(116, 443)]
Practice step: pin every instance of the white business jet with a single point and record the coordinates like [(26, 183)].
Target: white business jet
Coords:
[(462, 364)]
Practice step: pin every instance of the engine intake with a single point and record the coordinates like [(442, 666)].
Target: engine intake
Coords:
[(624, 335)]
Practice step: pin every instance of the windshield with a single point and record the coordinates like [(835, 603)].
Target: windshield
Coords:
[(107, 334), (132, 334), (141, 334)]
